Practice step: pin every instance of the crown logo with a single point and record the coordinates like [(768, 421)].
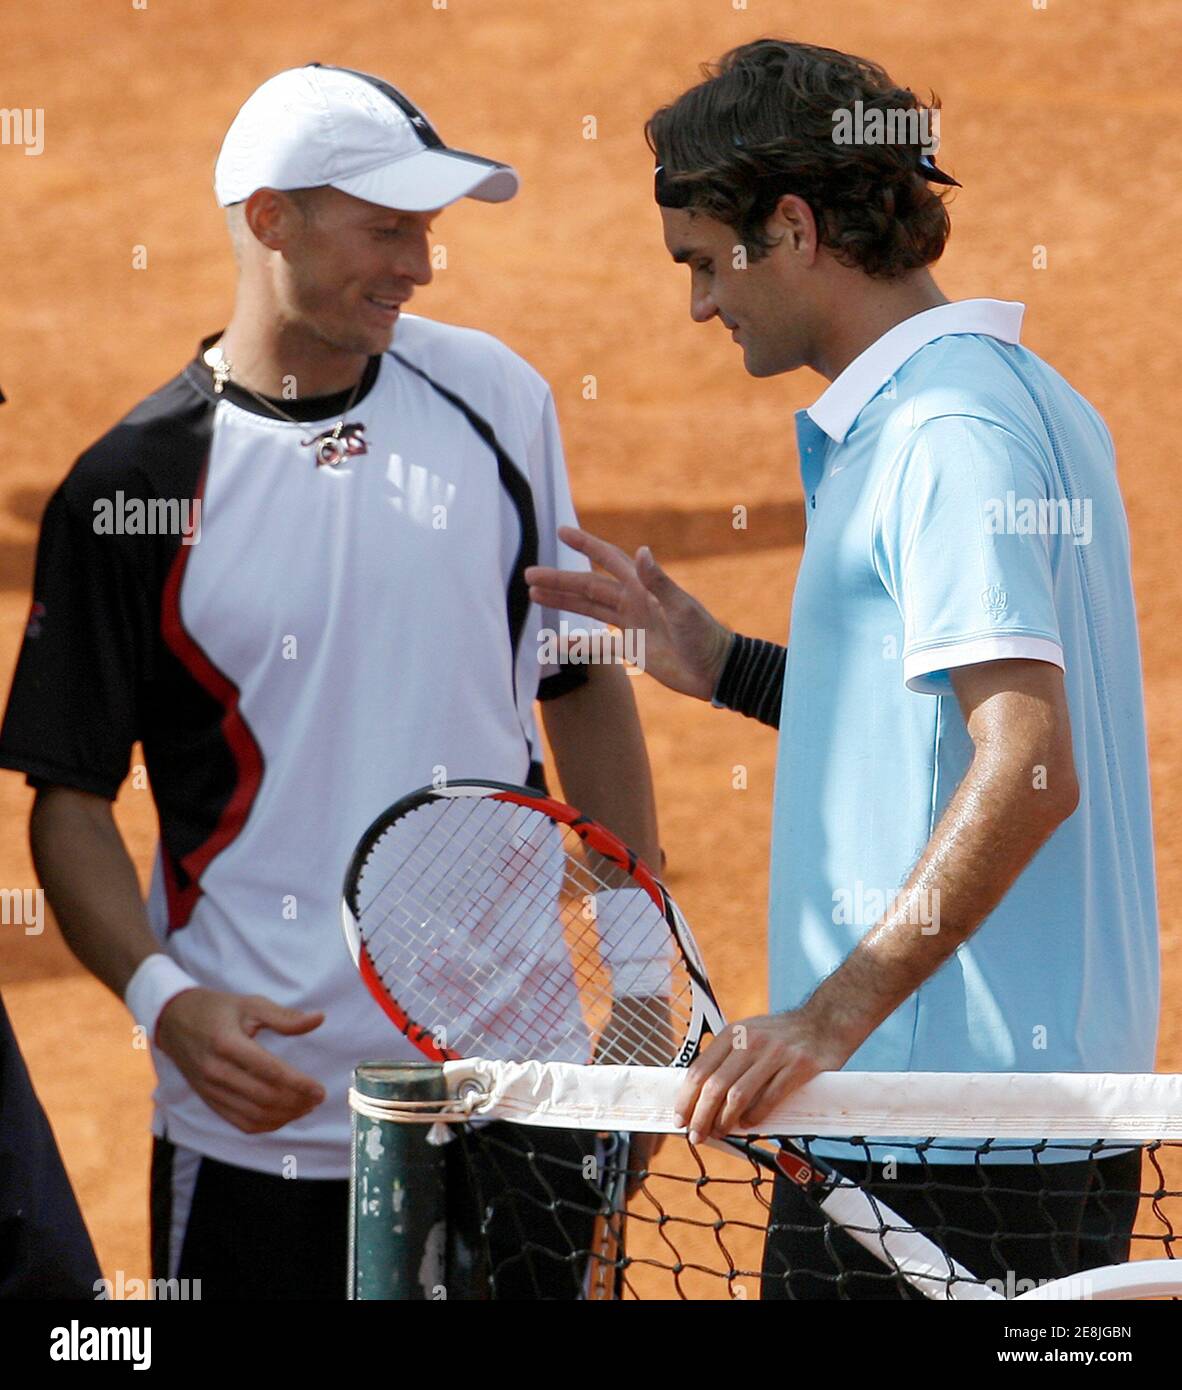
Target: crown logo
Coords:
[(994, 600)]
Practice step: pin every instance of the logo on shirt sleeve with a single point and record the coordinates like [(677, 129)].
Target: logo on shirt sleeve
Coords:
[(994, 601)]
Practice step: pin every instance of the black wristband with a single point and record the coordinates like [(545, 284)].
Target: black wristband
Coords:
[(752, 680)]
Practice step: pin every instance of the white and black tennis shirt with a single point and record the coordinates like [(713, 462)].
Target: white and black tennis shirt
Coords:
[(312, 644)]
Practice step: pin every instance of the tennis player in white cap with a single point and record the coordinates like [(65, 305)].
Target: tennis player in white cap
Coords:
[(339, 615)]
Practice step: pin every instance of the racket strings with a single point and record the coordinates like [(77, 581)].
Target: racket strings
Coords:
[(486, 922), (584, 953), (464, 903), (431, 903)]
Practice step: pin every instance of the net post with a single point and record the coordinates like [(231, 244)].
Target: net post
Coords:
[(397, 1191)]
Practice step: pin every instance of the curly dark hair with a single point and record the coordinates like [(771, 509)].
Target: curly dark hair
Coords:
[(762, 124)]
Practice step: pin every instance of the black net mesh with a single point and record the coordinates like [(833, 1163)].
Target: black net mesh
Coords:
[(555, 1214)]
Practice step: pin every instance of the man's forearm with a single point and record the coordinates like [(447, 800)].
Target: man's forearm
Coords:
[(598, 747), (994, 825), (91, 884)]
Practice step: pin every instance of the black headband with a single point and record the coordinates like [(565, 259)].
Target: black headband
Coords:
[(927, 167)]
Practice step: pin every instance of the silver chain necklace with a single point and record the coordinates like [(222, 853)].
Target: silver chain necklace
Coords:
[(331, 448)]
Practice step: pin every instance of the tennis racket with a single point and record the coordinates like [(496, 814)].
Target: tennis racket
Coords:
[(489, 920)]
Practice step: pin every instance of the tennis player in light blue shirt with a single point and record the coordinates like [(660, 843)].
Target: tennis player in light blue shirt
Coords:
[(962, 508), (966, 548), (962, 871), (961, 845)]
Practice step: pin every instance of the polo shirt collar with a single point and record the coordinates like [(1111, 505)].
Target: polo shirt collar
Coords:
[(836, 409)]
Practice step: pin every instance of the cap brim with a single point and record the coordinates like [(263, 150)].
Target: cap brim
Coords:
[(432, 179)]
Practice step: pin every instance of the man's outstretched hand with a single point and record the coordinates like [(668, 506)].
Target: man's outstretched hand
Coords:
[(684, 647)]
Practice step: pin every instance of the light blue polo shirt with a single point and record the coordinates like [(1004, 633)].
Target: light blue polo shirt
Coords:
[(944, 531)]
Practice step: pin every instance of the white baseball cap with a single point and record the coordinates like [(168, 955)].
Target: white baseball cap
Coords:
[(317, 125)]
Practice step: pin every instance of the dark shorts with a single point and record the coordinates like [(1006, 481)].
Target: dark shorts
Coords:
[(519, 1206), (1009, 1222), (45, 1251)]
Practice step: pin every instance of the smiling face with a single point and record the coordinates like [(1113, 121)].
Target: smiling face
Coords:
[(345, 267), (765, 305)]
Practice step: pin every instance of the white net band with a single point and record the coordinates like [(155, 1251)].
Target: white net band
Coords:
[(1118, 1106)]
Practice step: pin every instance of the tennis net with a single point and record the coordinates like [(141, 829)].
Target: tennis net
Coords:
[(501, 1180)]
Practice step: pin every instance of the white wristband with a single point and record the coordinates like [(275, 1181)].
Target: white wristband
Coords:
[(157, 980)]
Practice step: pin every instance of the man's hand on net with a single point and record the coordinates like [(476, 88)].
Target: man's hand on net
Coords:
[(750, 1068)]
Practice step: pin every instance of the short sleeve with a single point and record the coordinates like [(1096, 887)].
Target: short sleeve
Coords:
[(966, 527), (554, 508), (72, 715)]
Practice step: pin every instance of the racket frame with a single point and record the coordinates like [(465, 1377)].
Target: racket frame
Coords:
[(703, 1005)]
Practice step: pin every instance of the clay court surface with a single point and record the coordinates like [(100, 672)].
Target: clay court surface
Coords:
[(1060, 123)]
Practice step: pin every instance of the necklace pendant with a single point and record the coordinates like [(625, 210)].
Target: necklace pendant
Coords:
[(220, 369), (330, 451)]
